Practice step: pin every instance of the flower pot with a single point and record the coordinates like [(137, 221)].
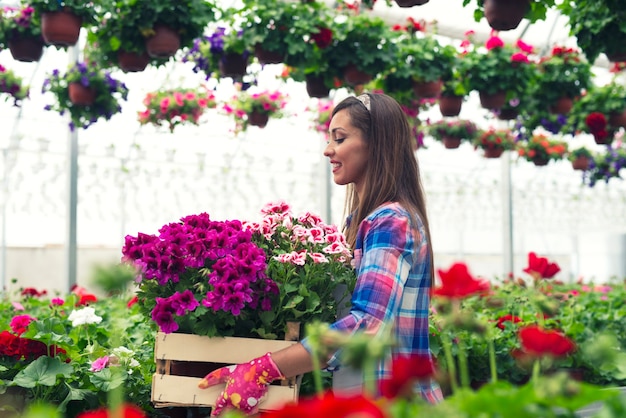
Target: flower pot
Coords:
[(508, 114), (580, 163), (60, 28), (427, 89), (450, 105), (617, 119), (233, 65), (505, 14), (353, 76), (131, 62), (81, 95), (316, 87), (163, 43), (258, 119), (410, 3), (619, 56), (562, 106), (267, 57), (492, 101), (604, 139), (451, 142), (26, 49), (493, 152), (540, 162)]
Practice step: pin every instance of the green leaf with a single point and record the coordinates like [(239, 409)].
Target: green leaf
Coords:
[(106, 381), (42, 372)]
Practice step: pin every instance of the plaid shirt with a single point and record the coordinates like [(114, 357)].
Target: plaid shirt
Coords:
[(392, 263)]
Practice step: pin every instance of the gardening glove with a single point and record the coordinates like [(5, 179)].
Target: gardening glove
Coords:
[(246, 383)]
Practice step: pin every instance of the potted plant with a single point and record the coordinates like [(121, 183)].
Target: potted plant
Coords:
[(255, 108), (562, 77), (507, 14), (580, 158), (87, 92), (605, 166), (422, 59), (598, 28), (222, 53), (322, 112), (494, 142), (61, 20), (12, 85), (173, 107), (600, 111), (541, 149), (362, 48), (499, 73), (20, 31), (452, 132)]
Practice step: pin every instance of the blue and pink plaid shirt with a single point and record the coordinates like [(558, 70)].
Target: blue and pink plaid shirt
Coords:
[(392, 263)]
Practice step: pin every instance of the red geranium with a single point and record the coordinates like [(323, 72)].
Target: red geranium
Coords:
[(329, 406), (596, 122), (323, 38), (458, 283), (540, 342), (128, 411), (540, 267), (508, 318), (404, 371)]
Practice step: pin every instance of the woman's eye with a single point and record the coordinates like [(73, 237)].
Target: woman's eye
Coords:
[(339, 140)]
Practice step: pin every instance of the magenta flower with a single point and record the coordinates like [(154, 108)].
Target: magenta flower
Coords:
[(99, 364), (19, 323)]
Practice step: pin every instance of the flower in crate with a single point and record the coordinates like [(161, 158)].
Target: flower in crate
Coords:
[(11, 84), (106, 93), (255, 108), (174, 107), (540, 149), (308, 259), (203, 277)]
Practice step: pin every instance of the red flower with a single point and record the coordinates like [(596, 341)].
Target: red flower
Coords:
[(404, 371), (31, 291), (131, 302), (508, 318), (540, 342), (128, 411), (539, 266), (329, 406), (85, 297), (458, 283), (596, 122), (323, 38), (19, 323)]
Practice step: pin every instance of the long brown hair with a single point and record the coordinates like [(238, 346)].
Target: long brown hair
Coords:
[(392, 169)]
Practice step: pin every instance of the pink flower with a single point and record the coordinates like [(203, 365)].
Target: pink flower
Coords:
[(527, 48), (57, 301), (99, 364), (17, 306), (19, 323), (494, 42), (519, 57), (318, 258)]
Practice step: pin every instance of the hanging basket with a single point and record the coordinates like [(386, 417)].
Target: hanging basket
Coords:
[(316, 87), (258, 119), (267, 57), (233, 65), (581, 163), (164, 43), (492, 101), (131, 62), (410, 3), (617, 119), (450, 105), (60, 28), (353, 76), (493, 152), (81, 95), (540, 162), (451, 142), (427, 89), (27, 49), (562, 106), (508, 114), (505, 14), (616, 56)]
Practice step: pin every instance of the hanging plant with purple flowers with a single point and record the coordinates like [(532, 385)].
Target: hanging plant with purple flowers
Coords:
[(108, 93), (203, 277)]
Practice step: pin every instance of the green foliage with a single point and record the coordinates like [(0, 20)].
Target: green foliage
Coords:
[(537, 11), (454, 128), (113, 279), (607, 99), (87, 11), (421, 57), (12, 85), (18, 22), (576, 153)]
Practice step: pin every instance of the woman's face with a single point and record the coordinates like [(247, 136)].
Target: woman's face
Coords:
[(347, 151)]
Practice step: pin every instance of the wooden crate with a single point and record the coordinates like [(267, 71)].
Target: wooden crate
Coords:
[(170, 390)]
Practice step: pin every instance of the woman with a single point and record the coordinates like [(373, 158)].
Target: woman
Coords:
[(370, 151)]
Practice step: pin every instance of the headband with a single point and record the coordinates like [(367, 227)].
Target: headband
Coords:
[(365, 99)]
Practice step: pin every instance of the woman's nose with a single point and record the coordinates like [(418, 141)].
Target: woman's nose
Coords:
[(328, 150)]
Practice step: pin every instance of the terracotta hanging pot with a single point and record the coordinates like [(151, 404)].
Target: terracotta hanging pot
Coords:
[(258, 119), (581, 163), (493, 152), (427, 89), (617, 119), (60, 28), (616, 56), (131, 62), (233, 65), (81, 95), (26, 49), (562, 106), (540, 162), (316, 87), (410, 3), (267, 57), (353, 76), (505, 14), (450, 105), (508, 114), (492, 101), (164, 43), (451, 142)]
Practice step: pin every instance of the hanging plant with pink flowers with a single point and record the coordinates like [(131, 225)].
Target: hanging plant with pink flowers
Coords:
[(174, 107)]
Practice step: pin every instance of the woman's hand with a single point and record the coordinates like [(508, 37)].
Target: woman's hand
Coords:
[(246, 383)]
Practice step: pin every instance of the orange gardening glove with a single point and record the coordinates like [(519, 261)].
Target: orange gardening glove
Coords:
[(246, 383)]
